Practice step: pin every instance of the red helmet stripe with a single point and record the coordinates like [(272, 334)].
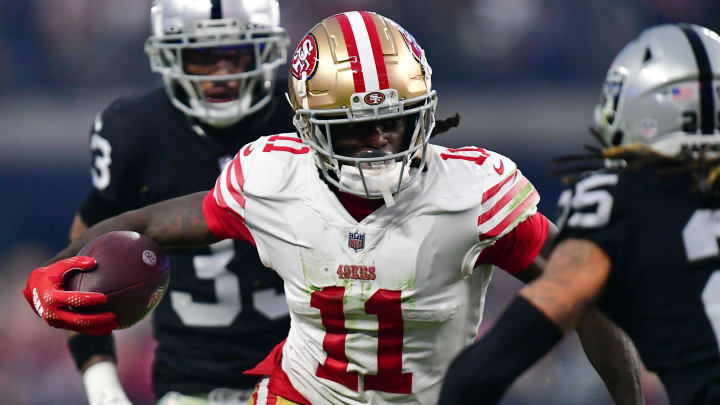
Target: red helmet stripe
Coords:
[(352, 50), (376, 49)]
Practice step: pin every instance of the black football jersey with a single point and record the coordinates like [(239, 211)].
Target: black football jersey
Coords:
[(223, 311), (664, 285)]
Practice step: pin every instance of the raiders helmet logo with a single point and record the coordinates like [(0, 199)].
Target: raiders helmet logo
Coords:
[(610, 96), (374, 98), (305, 58)]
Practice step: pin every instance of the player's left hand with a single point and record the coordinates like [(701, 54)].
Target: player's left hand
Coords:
[(47, 296)]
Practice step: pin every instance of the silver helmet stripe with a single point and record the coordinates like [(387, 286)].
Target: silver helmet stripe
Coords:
[(216, 10), (707, 99)]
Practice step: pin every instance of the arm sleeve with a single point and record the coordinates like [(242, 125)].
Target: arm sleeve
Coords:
[(485, 370), (515, 251)]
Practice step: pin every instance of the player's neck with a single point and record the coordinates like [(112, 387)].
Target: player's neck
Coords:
[(356, 206)]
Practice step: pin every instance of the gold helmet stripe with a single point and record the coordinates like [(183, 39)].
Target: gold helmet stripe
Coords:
[(363, 46)]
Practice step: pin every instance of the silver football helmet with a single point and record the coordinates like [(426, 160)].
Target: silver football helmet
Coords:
[(248, 30), (661, 91)]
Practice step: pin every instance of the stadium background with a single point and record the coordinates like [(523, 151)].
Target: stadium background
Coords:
[(524, 75)]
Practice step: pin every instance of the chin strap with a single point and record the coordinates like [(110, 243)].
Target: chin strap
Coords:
[(380, 179), (388, 197)]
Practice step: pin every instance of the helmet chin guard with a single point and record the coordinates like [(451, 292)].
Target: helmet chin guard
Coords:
[(178, 25)]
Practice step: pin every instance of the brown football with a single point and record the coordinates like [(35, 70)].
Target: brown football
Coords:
[(132, 270)]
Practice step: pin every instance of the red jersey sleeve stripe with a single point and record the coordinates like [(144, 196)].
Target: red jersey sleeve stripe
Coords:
[(529, 202), (284, 138), (237, 180), (218, 196), (352, 51), (506, 198), (228, 194), (490, 193), (222, 222), (234, 185), (238, 177), (376, 50)]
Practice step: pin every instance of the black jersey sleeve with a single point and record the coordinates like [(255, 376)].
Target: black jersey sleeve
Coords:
[(594, 209), (115, 147)]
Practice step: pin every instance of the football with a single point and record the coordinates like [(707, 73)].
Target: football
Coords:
[(132, 270)]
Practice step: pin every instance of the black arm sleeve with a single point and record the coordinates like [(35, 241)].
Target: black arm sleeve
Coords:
[(83, 347), (482, 372)]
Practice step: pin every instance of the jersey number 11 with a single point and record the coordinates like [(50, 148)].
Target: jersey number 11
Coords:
[(385, 304)]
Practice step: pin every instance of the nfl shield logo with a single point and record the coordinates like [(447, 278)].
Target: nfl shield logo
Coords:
[(356, 240)]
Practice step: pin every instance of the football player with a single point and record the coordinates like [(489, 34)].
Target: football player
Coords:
[(384, 241), (218, 62), (639, 236)]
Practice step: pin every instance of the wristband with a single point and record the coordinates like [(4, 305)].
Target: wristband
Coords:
[(83, 347), (102, 384)]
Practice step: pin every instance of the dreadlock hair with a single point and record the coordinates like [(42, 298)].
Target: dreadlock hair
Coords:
[(442, 126), (706, 172)]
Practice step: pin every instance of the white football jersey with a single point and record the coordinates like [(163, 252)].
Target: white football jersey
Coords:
[(379, 307)]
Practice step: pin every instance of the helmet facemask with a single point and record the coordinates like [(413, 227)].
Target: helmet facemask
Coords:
[(352, 75), (252, 85), (370, 175)]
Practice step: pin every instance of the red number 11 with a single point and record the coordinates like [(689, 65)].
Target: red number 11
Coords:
[(385, 304)]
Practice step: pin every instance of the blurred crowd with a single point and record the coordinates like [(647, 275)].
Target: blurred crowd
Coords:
[(62, 61), (87, 43)]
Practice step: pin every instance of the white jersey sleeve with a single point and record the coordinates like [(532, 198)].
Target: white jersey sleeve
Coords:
[(489, 183), (509, 200), (229, 187)]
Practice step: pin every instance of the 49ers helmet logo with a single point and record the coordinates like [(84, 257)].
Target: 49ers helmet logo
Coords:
[(374, 98), (305, 58)]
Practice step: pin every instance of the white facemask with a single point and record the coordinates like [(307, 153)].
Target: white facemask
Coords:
[(380, 177)]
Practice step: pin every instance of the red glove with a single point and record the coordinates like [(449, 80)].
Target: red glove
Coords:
[(47, 296)]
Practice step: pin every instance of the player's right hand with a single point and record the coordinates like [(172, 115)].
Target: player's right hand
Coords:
[(47, 296)]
